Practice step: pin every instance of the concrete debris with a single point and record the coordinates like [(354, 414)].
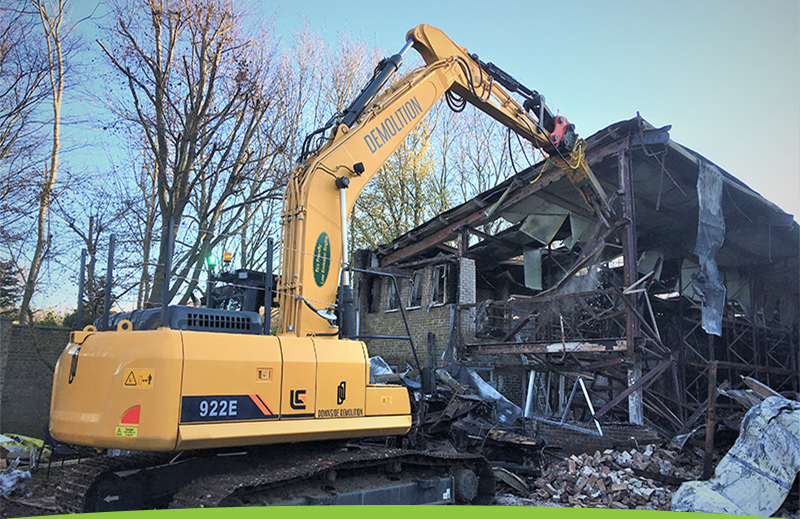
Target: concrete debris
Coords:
[(13, 480), (612, 479), (756, 475)]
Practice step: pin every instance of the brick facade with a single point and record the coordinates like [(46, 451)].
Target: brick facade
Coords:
[(26, 383), (426, 317), (375, 318)]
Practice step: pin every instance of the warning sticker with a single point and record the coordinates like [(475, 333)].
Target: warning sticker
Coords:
[(386, 400), (139, 378), (126, 432)]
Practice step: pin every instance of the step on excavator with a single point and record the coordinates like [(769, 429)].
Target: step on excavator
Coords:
[(213, 410)]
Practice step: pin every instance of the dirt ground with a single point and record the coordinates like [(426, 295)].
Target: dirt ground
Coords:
[(38, 499)]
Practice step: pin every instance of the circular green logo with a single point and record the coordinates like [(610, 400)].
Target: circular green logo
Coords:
[(322, 259)]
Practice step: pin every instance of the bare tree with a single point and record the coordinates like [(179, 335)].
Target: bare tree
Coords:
[(346, 69), (52, 16), (208, 101), (90, 210), (23, 69), (301, 67), (139, 215), (318, 81), (483, 154)]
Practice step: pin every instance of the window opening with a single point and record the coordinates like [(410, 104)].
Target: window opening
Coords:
[(415, 290), (439, 285)]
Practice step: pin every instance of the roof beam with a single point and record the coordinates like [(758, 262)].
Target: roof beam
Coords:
[(644, 138), (473, 219)]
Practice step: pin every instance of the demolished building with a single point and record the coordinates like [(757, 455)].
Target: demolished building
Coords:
[(693, 281)]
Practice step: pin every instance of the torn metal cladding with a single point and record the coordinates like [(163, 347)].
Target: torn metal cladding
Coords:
[(755, 477)]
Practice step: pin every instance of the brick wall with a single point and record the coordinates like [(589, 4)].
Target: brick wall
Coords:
[(422, 319), (25, 381), (615, 436)]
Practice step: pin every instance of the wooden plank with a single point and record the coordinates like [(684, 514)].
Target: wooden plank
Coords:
[(549, 347)]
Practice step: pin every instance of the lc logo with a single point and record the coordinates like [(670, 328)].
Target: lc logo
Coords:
[(297, 398), (340, 393)]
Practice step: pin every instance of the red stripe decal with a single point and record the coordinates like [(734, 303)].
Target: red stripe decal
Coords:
[(261, 405), (265, 405)]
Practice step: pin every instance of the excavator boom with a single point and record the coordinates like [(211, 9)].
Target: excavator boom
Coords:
[(324, 187)]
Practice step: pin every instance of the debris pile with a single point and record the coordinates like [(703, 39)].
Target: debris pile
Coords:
[(13, 480), (611, 479)]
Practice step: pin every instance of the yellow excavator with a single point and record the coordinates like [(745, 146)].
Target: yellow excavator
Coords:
[(211, 382)]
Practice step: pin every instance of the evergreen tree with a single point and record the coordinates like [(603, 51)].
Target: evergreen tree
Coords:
[(10, 287)]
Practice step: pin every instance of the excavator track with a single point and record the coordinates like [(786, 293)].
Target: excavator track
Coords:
[(293, 474), (81, 482), (362, 476)]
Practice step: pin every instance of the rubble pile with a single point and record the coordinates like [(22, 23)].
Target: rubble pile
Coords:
[(642, 480)]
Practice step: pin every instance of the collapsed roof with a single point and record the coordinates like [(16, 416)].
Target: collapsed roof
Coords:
[(540, 205)]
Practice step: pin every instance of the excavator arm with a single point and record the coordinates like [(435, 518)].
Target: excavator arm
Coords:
[(324, 187)]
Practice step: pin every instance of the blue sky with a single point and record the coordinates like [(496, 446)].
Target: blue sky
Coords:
[(724, 73)]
